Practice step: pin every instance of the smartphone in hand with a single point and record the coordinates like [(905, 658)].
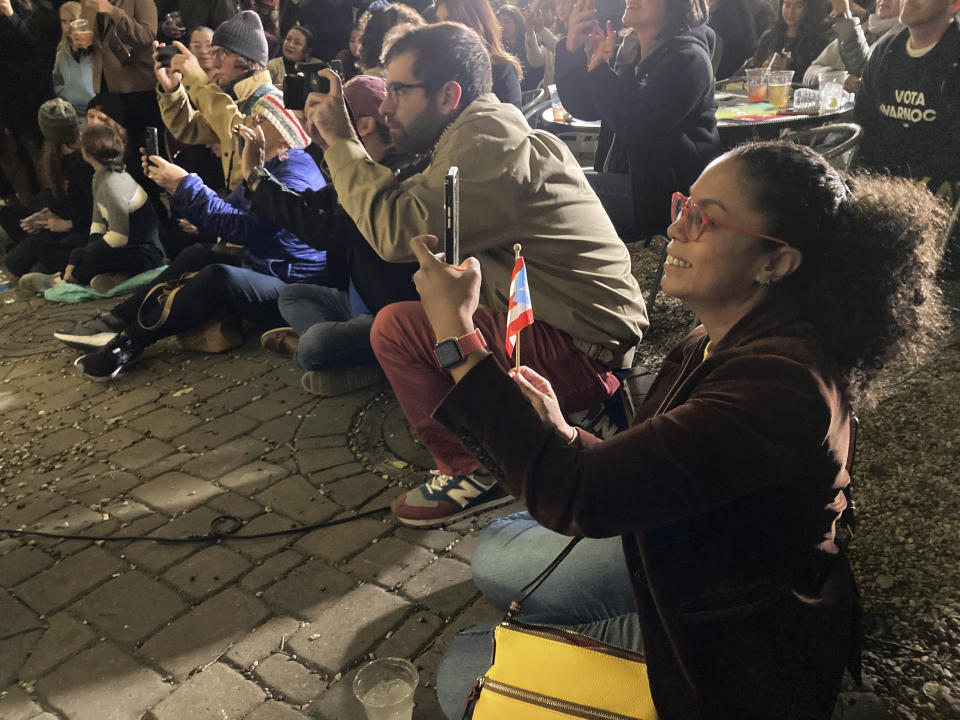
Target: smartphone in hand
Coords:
[(451, 216), (151, 141)]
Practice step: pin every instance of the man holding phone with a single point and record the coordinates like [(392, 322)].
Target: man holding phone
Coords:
[(200, 110), (516, 185)]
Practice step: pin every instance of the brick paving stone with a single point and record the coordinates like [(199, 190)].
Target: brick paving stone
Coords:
[(299, 500), (272, 710), (121, 403), (390, 561), (237, 452), (230, 503), (175, 492), (340, 541), (249, 479), (215, 433), (102, 683), (70, 577), (203, 634), (234, 398), (15, 704), (13, 652), (191, 393), (276, 404), (436, 540), (309, 461), (240, 369), (217, 693), (114, 440), (125, 510), (102, 484), (479, 612), (141, 454), (63, 637), (67, 480), (333, 416), (346, 631), (261, 548), (22, 563), (20, 512), (354, 491), (68, 520), (156, 557), (339, 703), (308, 590), (280, 430), (336, 473), (444, 586), (296, 683), (271, 570), (207, 571), (171, 463), (262, 642), (59, 442), (304, 442), (164, 423), (17, 617), (411, 637), (425, 697), (129, 607)]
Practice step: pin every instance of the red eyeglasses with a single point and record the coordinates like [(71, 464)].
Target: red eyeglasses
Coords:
[(698, 221)]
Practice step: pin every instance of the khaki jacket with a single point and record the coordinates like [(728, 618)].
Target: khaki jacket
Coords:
[(199, 112), (136, 24), (517, 185)]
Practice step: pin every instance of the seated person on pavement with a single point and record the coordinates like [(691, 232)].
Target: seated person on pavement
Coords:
[(225, 284), (726, 497), (516, 185), (328, 334)]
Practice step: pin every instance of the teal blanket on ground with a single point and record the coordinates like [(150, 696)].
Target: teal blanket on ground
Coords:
[(73, 293)]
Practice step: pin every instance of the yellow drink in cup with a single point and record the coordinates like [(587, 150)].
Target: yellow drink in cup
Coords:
[(778, 88)]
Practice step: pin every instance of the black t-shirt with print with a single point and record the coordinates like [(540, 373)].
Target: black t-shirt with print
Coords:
[(910, 112)]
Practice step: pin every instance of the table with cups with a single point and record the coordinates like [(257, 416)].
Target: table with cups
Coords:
[(768, 103)]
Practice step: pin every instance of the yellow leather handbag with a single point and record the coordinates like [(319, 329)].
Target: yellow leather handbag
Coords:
[(547, 673)]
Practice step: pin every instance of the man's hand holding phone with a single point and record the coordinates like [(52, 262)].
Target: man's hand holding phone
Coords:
[(326, 113)]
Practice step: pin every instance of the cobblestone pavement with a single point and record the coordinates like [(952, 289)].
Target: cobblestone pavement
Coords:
[(270, 629)]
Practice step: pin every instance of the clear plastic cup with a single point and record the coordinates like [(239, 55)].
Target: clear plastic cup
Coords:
[(832, 94), (385, 688), (756, 85), (778, 88), (559, 114), (81, 34)]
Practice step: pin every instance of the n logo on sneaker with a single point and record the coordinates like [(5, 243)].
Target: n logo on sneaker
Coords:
[(464, 492)]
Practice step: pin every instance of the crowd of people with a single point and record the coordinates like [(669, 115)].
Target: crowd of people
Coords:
[(309, 206)]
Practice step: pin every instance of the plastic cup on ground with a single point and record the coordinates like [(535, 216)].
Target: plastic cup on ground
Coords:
[(832, 94), (756, 85), (385, 689), (778, 88)]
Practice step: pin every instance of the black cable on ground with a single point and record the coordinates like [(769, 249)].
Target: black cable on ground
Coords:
[(222, 527)]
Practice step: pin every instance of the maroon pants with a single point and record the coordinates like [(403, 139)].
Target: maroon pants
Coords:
[(403, 341)]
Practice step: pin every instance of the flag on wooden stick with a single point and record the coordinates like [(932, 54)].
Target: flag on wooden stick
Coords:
[(520, 308)]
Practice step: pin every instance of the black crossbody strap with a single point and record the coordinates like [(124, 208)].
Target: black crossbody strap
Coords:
[(528, 589)]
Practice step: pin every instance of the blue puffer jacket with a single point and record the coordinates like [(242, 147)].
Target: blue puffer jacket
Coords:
[(269, 248)]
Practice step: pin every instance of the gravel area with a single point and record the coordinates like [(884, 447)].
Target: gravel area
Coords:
[(906, 554)]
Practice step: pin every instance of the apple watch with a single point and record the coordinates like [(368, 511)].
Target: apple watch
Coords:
[(453, 351)]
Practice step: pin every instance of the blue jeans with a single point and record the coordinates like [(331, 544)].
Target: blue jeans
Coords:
[(589, 592), (330, 335)]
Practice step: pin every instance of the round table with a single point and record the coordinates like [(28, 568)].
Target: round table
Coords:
[(548, 123), (734, 131)]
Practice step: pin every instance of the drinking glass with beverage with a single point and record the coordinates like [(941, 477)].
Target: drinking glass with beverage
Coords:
[(832, 94), (81, 34), (385, 688), (756, 85), (778, 88)]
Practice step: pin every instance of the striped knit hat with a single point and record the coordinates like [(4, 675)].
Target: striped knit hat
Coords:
[(271, 109)]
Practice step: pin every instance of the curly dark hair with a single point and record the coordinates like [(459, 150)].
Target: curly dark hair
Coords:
[(374, 25), (867, 281)]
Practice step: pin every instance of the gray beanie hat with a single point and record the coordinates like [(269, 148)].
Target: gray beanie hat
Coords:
[(58, 121), (243, 34)]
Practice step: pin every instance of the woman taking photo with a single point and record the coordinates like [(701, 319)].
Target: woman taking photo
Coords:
[(796, 39), (479, 16), (728, 490), (519, 42), (658, 125)]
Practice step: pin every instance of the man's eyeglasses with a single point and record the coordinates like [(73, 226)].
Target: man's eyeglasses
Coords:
[(698, 221), (219, 53), (396, 90)]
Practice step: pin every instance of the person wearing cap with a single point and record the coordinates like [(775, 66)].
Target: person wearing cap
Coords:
[(327, 329), (224, 284), (200, 110), (54, 230), (123, 33)]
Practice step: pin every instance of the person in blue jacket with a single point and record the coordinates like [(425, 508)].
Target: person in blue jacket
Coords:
[(245, 285), (655, 103)]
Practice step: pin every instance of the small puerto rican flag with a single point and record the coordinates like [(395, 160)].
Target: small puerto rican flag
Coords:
[(520, 309)]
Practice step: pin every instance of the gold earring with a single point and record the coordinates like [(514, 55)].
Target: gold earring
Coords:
[(765, 281)]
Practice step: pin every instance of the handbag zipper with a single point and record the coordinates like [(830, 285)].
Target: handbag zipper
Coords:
[(569, 638), (581, 711)]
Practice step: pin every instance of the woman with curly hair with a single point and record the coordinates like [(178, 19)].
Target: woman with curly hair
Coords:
[(478, 16), (374, 25), (726, 498)]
